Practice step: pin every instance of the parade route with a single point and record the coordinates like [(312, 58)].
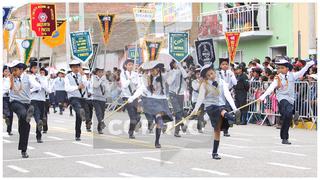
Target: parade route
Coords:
[(251, 151)]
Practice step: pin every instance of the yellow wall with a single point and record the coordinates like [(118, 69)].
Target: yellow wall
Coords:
[(302, 22)]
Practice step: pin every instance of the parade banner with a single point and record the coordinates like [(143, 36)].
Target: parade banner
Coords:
[(24, 48), (133, 54), (9, 33), (232, 39), (95, 47), (153, 49), (143, 18), (178, 43), (43, 19), (58, 37), (6, 12), (106, 22), (81, 45), (205, 51)]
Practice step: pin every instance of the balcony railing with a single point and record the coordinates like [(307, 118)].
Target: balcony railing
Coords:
[(238, 19)]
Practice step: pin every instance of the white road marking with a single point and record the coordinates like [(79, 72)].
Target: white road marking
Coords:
[(115, 151), (232, 145), (32, 133), (54, 154), (127, 175), (58, 121), (19, 169), (61, 128), (83, 144), (291, 153), (7, 141), (210, 171), (288, 165), (157, 160), (240, 139), (30, 147), (243, 134), (89, 164), (229, 155), (56, 138)]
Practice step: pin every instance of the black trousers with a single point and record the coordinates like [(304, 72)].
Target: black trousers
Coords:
[(39, 109), (133, 113), (7, 113), (286, 112), (45, 115), (99, 107), (200, 116), (23, 126), (78, 104), (89, 112)]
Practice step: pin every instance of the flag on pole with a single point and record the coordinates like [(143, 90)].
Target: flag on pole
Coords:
[(24, 48), (143, 18), (9, 33), (232, 39), (58, 37), (106, 22), (6, 12)]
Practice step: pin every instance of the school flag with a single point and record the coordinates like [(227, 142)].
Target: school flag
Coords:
[(58, 37), (6, 12), (133, 53), (9, 33), (43, 19), (143, 18), (106, 23), (205, 51), (24, 48), (81, 45), (178, 44), (232, 39), (153, 49)]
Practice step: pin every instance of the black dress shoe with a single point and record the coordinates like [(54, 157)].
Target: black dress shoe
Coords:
[(44, 132), (285, 141), (10, 133), (88, 130), (24, 155), (60, 113), (216, 156), (39, 141), (40, 125), (78, 139), (157, 145), (243, 123), (226, 134), (131, 136), (100, 132), (184, 128), (177, 135)]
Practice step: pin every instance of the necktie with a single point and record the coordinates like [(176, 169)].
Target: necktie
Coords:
[(215, 84)]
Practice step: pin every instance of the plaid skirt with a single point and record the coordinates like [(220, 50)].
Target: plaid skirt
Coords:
[(154, 106), (214, 113)]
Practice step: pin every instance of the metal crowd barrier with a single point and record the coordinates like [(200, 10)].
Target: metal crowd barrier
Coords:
[(305, 101)]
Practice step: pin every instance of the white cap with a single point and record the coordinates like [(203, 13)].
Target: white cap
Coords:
[(75, 62), (15, 63), (151, 65)]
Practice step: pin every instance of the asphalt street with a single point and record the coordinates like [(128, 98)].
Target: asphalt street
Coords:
[(251, 151)]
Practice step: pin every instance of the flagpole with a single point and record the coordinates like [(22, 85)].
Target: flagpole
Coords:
[(38, 54), (67, 34), (135, 55)]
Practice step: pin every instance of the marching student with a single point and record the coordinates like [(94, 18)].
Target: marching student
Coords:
[(154, 99), (284, 85), (195, 84), (214, 94), (228, 76), (75, 86), (99, 96), (60, 93), (44, 73), (177, 87), (7, 113), (129, 83), (88, 97), (20, 86), (38, 98)]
